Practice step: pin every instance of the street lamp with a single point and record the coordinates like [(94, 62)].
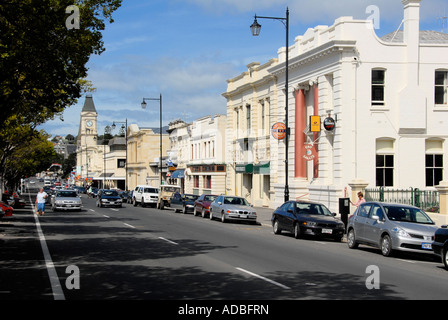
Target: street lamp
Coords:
[(256, 28), (124, 126), (107, 130), (144, 104)]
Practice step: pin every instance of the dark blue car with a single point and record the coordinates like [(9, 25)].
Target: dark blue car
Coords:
[(307, 218)]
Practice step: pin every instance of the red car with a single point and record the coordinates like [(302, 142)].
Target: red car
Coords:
[(7, 210), (202, 204)]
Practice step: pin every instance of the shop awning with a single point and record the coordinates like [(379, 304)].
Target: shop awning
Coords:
[(178, 174), (262, 168), (244, 168)]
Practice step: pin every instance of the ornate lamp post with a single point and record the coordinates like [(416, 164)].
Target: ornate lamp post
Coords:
[(256, 28)]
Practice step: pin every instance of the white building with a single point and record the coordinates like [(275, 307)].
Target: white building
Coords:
[(387, 95)]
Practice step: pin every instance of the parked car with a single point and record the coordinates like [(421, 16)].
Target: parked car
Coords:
[(391, 227), (66, 199), (232, 208), (165, 193), (92, 192), (183, 202), (440, 244), (307, 218), (202, 204), (81, 189), (2, 213), (144, 195), (106, 198), (7, 209)]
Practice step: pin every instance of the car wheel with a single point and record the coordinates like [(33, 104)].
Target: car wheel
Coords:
[(184, 210), (134, 202), (276, 227), (223, 217), (210, 216), (143, 203), (445, 257), (203, 213), (386, 246), (351, 240), (297, 232)]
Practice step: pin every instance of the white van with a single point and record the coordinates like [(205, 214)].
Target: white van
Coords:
[(144, 195)]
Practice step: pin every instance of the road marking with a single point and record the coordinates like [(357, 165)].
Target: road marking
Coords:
[(172, 242), (58, 294), (130, 226), (106, 216), (265, 279)]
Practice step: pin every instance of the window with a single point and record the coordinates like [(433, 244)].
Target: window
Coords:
[(441, 87), (378, 84), (207, 182), (384, 170), (434, 169), (433, 162), (248, 115), (196, 181), (384, 162)]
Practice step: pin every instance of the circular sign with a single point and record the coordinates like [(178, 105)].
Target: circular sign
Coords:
[(329, 124), (279, 130)]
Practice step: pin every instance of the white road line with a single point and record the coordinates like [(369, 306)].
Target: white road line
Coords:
[(58, 294), (128, 225), (106, 216), (265, 279), (172, 242)]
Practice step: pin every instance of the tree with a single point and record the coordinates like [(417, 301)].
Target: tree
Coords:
[(42, 62)]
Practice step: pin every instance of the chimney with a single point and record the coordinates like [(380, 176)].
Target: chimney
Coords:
[(411, 36)]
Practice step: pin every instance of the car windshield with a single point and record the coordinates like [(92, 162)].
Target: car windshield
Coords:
[(67, 194), (407, 214), (170, 189), (151, 190), (312, 208), (236, 201), (110, 193), (191, 197), (210, 198)]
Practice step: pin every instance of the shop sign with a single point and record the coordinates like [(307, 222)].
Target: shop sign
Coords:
[(309, 154), (329, 124), (315, 123), (279, 130)]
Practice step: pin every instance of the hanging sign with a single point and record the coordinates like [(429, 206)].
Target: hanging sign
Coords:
[(329, 124), (279, 130), (309, 155), (315, 123)]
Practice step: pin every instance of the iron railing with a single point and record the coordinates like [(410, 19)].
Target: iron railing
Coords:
[(427, 200)]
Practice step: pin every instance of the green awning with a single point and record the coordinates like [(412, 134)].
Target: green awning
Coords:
[(244, 168), (262, 168)]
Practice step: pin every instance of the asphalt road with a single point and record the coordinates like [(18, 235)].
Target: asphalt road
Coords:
[(135, 253)]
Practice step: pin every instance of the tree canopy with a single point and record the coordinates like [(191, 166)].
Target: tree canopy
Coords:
[(43, 64)]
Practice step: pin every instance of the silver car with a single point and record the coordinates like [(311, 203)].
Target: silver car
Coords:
[(66, 199), (391, 227), (232, 208)]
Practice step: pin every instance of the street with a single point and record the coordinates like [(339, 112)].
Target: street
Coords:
[(135, 253)]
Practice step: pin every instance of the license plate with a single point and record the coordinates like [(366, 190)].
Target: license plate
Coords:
[(243, 216), (327, 231), (427, 246)]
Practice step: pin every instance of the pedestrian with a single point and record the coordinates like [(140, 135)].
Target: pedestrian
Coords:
[(360, 199), (40, 202)]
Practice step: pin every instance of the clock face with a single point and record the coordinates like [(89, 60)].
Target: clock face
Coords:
[(89, 123)]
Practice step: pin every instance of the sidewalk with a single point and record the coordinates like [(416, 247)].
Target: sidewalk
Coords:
[(264, 215)]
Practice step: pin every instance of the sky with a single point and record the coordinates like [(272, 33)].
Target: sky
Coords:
[(186, 50)]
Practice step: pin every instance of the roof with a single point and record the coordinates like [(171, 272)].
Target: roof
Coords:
[(89, 106), (427, 36)]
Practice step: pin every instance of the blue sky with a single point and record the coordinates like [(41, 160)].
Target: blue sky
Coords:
[(187, 49)]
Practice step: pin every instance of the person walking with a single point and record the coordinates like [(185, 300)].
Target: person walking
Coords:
[(40, 202)]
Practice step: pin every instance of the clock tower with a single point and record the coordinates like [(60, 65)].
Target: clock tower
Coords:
[(87, 146)]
